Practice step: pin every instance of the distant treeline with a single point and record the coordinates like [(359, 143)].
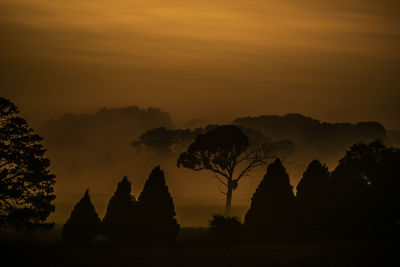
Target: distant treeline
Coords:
[(287, 133), (86, 147), (153, 129), (169, 141), (320, 138)]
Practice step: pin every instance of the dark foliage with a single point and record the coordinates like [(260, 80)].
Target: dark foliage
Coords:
[(362, 194), (26, 185), (319, 137), (107, 126), (122, 214), (84, 223), (313, 197), (226, 227), (157, 211), (223, 151), (273, 204), (215, 148), (169, 141), (394, 137), (158, 139), (367, 186)]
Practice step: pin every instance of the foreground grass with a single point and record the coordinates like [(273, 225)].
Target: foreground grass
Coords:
[(195, 247)]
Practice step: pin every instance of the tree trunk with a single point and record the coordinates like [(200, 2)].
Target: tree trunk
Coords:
[(228, 199)]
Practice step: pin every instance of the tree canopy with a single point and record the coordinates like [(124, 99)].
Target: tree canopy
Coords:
[(170, 141), (227, 153), (368, 178), (26, 184)]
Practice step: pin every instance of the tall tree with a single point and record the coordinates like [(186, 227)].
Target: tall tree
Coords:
[(26, 185), (226, 152), (313, 196), (121, 215), (84, 223), (157, 209), (272, 205)]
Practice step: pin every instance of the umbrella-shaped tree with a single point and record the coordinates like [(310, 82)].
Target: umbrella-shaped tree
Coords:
[(228, 154)]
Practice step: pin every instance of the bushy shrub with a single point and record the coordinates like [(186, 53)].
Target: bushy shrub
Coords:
[(225, 227)]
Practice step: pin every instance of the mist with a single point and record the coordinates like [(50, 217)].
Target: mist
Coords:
[(94, 151), (214, 62)]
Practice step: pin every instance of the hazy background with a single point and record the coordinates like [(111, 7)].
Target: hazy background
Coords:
[(217, 60)]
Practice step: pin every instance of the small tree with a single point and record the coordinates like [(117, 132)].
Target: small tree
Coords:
[(226, 152), (26, 185), (119, 221), (157, 208), (84, 223), (313, 195), (272, 205)]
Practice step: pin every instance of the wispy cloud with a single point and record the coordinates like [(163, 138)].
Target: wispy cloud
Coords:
[(305, 56)]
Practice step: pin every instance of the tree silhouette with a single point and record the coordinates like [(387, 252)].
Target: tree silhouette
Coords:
[(313, 195), (272, 205), (226, 152), (157, 209), (158, 139), (119, 221), (226, 227), (175, 141), (26, 185), (84, 223), (168, 141), (368, 177)]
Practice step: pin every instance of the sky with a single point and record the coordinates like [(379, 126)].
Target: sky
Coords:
[(336, 61), (218, 60)]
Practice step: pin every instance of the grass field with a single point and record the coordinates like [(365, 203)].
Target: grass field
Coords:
[(195, 247)]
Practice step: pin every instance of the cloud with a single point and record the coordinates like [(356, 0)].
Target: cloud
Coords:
[(327, 59)]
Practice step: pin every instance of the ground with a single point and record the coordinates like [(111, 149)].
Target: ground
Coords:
[(195, 247)]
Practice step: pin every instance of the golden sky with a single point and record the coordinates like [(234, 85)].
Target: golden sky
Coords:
[(332, 60)]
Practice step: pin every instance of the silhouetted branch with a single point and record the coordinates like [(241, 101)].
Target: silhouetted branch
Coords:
[(256, 162), (220, 180)]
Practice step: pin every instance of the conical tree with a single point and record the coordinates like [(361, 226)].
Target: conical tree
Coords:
[(84, 223), (272, 205), (157, 209), (119, 221), (313, 196)]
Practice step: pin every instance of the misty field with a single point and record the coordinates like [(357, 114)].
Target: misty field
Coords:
[(195, 247)]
